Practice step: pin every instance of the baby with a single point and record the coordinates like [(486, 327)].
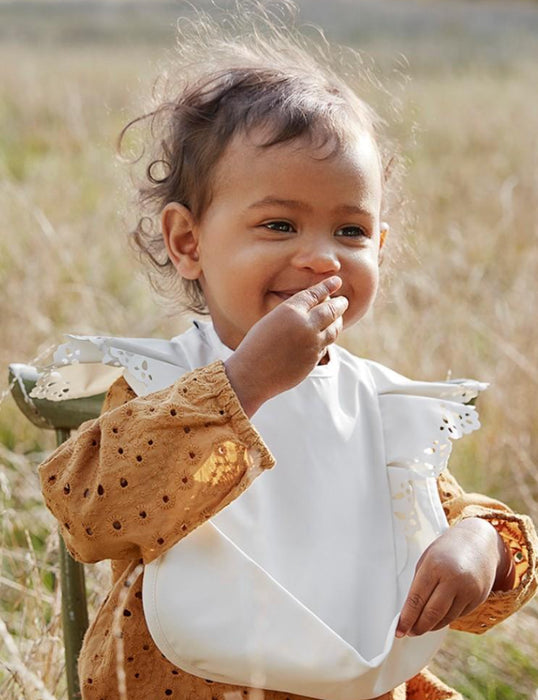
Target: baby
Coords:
[(278, 512)]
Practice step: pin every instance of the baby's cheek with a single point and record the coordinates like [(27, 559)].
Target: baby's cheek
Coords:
[(361, 299)]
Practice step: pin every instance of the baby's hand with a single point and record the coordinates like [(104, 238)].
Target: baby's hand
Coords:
[(282, 348), (455, 575)]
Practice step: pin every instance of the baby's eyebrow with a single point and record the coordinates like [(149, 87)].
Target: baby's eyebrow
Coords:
[(296, 204), (352, 209), (277, 201)]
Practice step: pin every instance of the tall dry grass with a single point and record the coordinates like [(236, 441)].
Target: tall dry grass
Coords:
[(461, 300)]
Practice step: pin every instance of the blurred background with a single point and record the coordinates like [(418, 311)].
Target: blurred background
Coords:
[(460, 294)]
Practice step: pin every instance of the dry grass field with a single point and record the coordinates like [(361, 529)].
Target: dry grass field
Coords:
[(460, 296)]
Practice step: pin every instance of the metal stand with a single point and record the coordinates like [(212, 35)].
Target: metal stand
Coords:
[(74, 606)]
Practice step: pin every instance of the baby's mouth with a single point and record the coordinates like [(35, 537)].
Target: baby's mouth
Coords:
[(285, 293), (288, 293)]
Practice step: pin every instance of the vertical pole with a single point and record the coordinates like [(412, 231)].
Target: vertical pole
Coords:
[(74, 606)]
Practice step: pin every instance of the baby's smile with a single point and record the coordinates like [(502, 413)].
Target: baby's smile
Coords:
[(286, 293)]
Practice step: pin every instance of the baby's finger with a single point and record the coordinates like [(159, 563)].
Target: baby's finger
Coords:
[(325, 314), (331, 333), (435, 611), (311, 297), (417, 598), (457, 609)]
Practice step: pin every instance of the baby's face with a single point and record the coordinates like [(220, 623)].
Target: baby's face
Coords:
[(282, 219)]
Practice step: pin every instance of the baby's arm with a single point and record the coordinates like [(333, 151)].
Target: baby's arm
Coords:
[(476, 574), (133, 482)]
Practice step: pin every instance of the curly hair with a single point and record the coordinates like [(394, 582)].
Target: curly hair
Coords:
[(228, 77)]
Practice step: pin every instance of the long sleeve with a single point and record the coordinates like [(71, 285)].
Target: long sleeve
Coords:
[(518, 534), (147, 472)]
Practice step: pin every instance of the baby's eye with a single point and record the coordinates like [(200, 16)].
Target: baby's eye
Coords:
[(281, 226), (351, 232)]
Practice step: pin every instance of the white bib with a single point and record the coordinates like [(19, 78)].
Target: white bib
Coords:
[(298, 584)]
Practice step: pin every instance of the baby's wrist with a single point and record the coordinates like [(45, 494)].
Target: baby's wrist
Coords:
[(244, 385), (505, 568)]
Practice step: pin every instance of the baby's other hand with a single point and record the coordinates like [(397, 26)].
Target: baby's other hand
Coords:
[(282, 348), (455, 575)]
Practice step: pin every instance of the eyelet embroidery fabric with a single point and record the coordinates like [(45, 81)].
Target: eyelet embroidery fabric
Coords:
[(408, 467), (83, 365), (420, 421)]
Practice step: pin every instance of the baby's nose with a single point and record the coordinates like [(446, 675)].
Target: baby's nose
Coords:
[(319, 258)]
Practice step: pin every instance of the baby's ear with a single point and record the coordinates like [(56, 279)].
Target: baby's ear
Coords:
[(384, 229), (177, 226)]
